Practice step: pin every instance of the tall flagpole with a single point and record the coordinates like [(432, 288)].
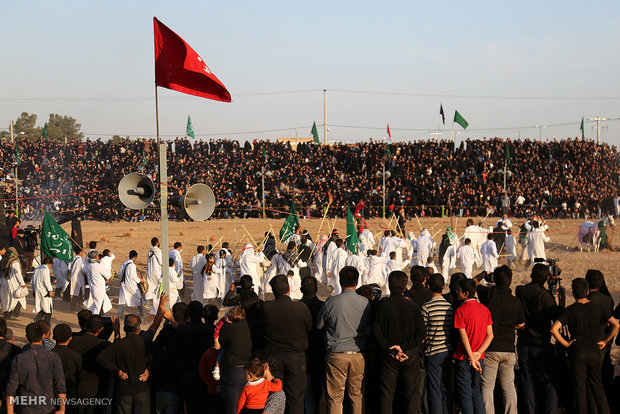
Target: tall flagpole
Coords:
[(163, 205), (324, 116)]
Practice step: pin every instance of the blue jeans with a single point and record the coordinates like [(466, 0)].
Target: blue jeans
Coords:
[(166, 402), (438, 389), (233, 381), (468, 385)]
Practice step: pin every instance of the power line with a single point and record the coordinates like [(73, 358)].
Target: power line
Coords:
[(438, 95)]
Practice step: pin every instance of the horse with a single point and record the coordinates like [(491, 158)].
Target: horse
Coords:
[(594, 234)]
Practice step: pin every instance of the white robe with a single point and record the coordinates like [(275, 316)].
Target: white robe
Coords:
[(466, 257), (360, 264), (477, 235), (212, 283), (128, 293), (42, 286), (77, 276), (339, 257), (536, 244), (9, 285), (449, 262), (376, 267), (425, 249), (61, 270), (248, 264), (174, 294), (511, 247), (97, 274), (178, 264), (366, 241), (197, 263), (329, 262), (391, 266), (107, 262), (294, 285), (488, 250), (221, 267), (274, 269), (153, 271)]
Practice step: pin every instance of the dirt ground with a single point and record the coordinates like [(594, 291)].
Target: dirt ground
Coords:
[(120, 238)]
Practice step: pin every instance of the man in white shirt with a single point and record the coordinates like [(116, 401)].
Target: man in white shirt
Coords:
[(97, 275), (424, 248), (537, 238), (61, 274), (43, 290), (488, 250), (339, 258), (248, 265), (376, 267), (465, 255), (175, 254), (197, 263), (77, 287), (153, 269), (129, 294)]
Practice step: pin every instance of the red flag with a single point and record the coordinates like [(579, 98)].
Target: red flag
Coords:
[(178, 67), (389, 133)]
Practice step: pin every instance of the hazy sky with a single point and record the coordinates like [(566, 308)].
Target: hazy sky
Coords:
[(93, 60)]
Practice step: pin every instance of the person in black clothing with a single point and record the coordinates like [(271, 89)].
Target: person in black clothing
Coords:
[(7, 353), (93, 377), (233, 296), (236, 345), (418, 292), (537, 370), (305, 252), (584, 320), (399, 330), (315, 355), (285, 332), (451, 296), (130, 361), (71, 361), (507, 315), (600, 295)]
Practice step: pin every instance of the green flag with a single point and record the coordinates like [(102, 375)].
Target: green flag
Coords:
[(18, 158), (190, 128), (388, 153), (315, 133), (143, 159), (582, 130), (351, 232), (290, 224), (458, 118), (44, 134), (55, 241), (509, 152)]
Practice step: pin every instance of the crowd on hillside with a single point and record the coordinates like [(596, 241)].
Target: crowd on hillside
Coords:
[(566, 178)]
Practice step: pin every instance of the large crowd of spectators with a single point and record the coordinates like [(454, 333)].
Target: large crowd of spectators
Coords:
[(565, 178)]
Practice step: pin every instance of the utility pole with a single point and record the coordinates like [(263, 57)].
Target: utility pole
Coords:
[(324, 116), (11, 131), (598, 120)]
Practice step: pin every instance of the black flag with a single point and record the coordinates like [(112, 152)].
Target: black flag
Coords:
[(443, 116)]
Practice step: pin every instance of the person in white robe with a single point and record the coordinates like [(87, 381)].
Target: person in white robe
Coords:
[(424, 248), (360, 264), (488, 250), (536, 242), (227, 276), (430, 266), (330, 251), (10, 280), (412, 245), (129, 294), (248, 265), (197, 263), (449, 262), (97, 274), (275, 268), (365, 242), (153, 269), (339, 257), (376, 267), (43, 291), (392, 265), (511, 248), (466, 257), (320, 259), (77, 276), (211, 281), (294, 285), (173, 283), (476, 235), (504, 223), (175, 254), (61, 274)]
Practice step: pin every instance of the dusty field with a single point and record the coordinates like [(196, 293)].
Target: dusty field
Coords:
[(120, 238)]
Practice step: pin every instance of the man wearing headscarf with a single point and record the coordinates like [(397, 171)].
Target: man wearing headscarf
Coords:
[(339, 258), (98, 302), (447, 252), (320, 259), (43, 290), (425, 248), (11, 279), (365, 242), (248, 262)]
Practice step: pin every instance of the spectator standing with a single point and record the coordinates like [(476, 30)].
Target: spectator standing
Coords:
[(315, 355), (399, 330), (71, 361), (418, 292), (507, 314), (285, 332), (36, 373), (475, 327), (438, 318), (7, 353), (346, 319)]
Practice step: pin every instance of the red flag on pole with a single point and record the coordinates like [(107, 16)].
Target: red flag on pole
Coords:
[(178, 67), (388, 131)]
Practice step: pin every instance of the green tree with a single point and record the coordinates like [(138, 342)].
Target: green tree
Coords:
[(25, 123), (59, 127)]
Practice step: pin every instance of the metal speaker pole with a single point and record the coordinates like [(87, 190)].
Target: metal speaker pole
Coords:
[(136, 191)]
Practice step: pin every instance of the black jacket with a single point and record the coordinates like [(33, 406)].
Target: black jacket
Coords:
[(285, 325)]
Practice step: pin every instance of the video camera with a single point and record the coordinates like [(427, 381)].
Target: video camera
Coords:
[(554, 281)]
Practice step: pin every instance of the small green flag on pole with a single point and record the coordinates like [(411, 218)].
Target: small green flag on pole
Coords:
[(388, 153), (44, 134), (315, 134), (582, 130), (143, 159), (509, 153), (18, 158), (290, 224), (351, 232), (190, 128), (458, 118), (55, 242)]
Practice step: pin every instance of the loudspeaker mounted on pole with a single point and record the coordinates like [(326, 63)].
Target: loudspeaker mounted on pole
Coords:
[(136, 191), (198, 202)]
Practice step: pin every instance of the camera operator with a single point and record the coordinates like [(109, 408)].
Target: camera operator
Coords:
[(508, 315), (536, 356), (233, 296)]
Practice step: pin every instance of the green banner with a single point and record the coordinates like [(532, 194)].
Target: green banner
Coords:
[(351, 232), (290, 224), (55, 242)]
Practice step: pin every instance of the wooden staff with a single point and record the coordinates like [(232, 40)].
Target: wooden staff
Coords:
[(418, 220), (485, 217), (264, 241), (456, 223), (239, 243), (438, 231), (248, 233), (433, 226), (216, 243)]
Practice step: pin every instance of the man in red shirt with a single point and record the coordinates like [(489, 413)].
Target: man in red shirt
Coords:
[(475, 328)]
